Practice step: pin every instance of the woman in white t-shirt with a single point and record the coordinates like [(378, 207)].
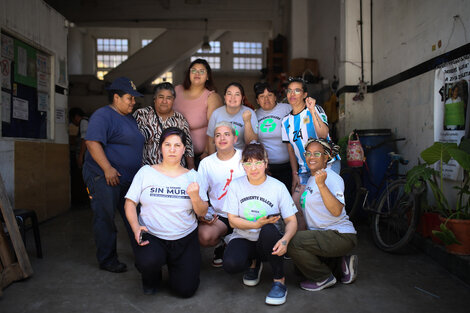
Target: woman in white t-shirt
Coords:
[(166, 228), (330, 235), (254, 205)]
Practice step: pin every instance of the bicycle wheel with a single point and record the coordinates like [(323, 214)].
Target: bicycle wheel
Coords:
[(395, 218), (352, 191)]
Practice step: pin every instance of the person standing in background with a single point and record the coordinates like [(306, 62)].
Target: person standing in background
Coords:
[(196, 99), (270, 115), (242, 118)]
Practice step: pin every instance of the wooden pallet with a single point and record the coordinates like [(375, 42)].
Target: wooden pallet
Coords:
[(14, 261)]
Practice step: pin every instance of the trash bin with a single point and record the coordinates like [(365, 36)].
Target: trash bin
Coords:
[(377, 144)]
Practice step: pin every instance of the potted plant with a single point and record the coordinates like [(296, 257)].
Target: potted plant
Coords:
[(455, 220)]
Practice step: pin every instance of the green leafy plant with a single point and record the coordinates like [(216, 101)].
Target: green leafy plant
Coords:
[(440, 153)]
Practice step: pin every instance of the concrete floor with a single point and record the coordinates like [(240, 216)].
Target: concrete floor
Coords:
[(67, 279)]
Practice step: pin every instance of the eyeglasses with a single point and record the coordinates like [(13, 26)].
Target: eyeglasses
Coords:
[(200, 72), (297, 91), (250, 164), (309, 154)]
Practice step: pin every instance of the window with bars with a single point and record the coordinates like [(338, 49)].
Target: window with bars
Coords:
[(212, 57), (110, 53), (167, 77), (247, 55)]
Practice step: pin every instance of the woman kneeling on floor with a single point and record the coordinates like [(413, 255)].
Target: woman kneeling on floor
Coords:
[(330, 235), (166, 228), (255, 204)]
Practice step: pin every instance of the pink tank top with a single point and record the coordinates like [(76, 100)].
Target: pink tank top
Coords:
[(195, 112)]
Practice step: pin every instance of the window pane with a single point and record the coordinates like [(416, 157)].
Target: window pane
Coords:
[(240, 63), (247, 47)]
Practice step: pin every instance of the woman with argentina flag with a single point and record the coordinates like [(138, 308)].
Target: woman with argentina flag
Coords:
[(306, 121)]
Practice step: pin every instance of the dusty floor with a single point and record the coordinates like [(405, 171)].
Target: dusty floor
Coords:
[(67, 279)]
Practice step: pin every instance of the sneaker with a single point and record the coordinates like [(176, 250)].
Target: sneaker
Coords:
[(316, 286), (277, 295), (114, 267), (349, 268), (252, 275), (218, 261)]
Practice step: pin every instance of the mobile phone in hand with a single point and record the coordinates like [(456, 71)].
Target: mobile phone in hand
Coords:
[(140, 236), (272, 215)]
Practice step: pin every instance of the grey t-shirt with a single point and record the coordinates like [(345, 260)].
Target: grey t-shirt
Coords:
[(251, 202), (269, 133), (221, 114)]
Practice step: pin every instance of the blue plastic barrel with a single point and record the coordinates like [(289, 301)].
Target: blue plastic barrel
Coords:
[(377, 144)]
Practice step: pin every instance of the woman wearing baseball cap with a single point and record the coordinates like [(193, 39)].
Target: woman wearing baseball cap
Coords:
[(114, 155)]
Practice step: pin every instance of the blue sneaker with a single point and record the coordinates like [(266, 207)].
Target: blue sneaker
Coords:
[(277, 295), (252, 275)]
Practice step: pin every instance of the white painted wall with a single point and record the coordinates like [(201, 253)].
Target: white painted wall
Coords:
[(323, 26), (299, 31), (350, 55), (405, 31), (403, 37)]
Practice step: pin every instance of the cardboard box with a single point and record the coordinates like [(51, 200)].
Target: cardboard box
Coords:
[(298, 66)]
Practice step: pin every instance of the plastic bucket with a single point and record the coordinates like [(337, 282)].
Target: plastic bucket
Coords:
[(377, 144)]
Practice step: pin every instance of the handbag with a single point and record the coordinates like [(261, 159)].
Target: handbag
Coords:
[(354, 151)]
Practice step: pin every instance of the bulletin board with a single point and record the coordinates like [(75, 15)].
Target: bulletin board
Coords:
[(25, 84)]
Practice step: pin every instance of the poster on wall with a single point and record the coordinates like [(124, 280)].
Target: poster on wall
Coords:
[(7, 47), (43, 101), (20, 109), (6, 107), (42, 63), (451, 109), (5, 69), (60, 115), (26, 63), (43, 82)]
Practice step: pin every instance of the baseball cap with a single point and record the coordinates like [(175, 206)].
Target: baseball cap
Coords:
[(126, 85)]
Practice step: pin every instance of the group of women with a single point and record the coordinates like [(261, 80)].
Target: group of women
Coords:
[(165, 202)]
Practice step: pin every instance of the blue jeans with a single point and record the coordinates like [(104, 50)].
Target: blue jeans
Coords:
[(105, 200)]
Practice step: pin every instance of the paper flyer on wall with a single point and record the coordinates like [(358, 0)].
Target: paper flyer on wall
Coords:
[(20, 109), (5, 72), (8, 47), (43, 101), (60, 115), (451, 110), (6, 107)]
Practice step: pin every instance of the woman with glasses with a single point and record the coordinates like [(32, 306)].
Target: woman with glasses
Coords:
[(255, 204), (320, 252), (166, 230), (270, 115), (196, 99), (242, 117), (306, 121)]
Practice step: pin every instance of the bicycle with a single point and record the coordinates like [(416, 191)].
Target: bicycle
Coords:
[(394, 213)]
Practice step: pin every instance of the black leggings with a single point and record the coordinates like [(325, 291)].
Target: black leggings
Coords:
[(182, 257), (240, 252)]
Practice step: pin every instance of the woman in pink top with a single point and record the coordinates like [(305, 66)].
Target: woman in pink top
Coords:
[(196, 99)]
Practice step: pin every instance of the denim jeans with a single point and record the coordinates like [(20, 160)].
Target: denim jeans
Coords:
[(105, 200)]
